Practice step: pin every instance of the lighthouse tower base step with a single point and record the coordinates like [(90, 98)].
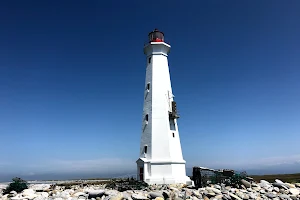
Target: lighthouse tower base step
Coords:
[(162, 172)]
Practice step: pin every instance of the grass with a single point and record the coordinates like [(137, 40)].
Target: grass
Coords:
[(290, 178)]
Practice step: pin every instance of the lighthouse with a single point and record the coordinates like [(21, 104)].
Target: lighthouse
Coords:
[(160, 160)]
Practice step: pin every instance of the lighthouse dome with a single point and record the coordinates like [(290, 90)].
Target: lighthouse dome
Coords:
[(156, 36)]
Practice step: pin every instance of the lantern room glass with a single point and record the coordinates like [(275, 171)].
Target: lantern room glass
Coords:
[(156, 36)]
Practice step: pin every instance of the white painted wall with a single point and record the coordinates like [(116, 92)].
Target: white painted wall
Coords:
[(163, 162)]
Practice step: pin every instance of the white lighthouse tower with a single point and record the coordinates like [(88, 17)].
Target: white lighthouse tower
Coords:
[(161, 160)]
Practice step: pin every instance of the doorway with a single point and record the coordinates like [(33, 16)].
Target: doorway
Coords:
[(141, 173)]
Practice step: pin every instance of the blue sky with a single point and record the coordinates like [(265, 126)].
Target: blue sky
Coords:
[(72, 79)]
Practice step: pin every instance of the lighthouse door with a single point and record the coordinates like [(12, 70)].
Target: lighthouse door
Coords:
[(141, 173)]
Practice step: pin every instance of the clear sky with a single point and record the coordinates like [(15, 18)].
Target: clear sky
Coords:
[(72, 80)]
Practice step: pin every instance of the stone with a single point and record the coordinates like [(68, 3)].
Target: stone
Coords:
[(240, 194), (119, 196), (246, 196), (293, 197), (289, 185), (234, 196), (217, 187), (262, 191), (28, 191), (271, 195), (297, 184), (219, 196), (278, 181), (197, 194), (95, 193), (159, 198), (252, 195), (205, 198), (216, 191), (138, 197), (280, 185), (78, 194), (153, 195), (276, 189), (284, 196), (294, 191)]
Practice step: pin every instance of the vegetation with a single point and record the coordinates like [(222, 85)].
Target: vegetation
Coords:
[(17, 185), (290, 178)]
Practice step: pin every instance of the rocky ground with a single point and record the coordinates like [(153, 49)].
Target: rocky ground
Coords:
[(112, 191)]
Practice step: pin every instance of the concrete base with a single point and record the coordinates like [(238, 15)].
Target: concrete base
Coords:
[(162, 172), (168, 180)]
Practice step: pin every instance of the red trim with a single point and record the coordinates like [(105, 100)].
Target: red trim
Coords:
[(157, 40)]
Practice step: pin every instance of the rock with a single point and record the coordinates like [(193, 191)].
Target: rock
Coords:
[(205, 198), (226, 197), (40, 187), (153, 195), (234, 196), (293, 197), (289, 185), (284, 196), (28, 191), (197, 194), (119, 196), (294, 191), (246, 183), (256, 188), (78, 194), (271, 195), (280, 185), (166, 194), (246, 196), (219, 196), (240, 194), (138, 197), (159, 198), (297, 184), (276, 189), (216, 191), (95, 193), (278, 181), (217, 187), (262, 191)]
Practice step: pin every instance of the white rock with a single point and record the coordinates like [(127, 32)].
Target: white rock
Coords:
[(294, 191), (234, 196), (28, 191), (77, 194), (276, 189), (278, 181), (40, 186)]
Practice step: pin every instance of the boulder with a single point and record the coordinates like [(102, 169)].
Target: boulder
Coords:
[(278, 181), (246, 183), (153, 195), (294, 191), (234, 196), (119, 196), (138, 197)]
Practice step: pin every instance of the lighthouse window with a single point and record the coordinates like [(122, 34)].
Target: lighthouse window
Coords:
[(145, 149), (172, 124), (148, 86), (173, 134), (146, 117), (149, 60)]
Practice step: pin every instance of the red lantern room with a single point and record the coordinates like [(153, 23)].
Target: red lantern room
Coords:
[(156, 36)]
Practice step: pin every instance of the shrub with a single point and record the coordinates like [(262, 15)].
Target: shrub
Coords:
[(17, 185)]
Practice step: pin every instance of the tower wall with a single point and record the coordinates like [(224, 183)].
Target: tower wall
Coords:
[(161, 159)]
